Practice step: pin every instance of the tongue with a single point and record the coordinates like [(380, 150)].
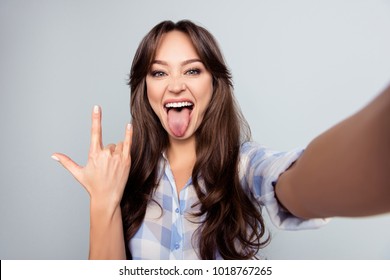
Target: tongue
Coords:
[(178, 121)]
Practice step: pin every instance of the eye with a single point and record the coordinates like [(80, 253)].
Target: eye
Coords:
[(157, 74), (193, 71)]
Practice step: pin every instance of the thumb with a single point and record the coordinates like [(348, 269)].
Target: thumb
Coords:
[(68, 164)]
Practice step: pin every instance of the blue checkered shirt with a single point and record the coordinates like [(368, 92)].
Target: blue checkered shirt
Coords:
[(170, 234)]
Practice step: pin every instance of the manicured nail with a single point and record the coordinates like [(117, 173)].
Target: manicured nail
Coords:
[(129, 125), (55, 158), (96, 109)]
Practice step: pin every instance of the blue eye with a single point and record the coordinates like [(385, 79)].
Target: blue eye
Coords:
[(157, 74), (194, 71)]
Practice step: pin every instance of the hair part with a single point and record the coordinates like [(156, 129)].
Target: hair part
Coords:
[(232, 225)]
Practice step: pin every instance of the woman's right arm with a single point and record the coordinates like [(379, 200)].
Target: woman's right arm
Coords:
[(104, 177)]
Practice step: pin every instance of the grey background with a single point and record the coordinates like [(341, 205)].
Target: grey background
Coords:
[(299, 67)]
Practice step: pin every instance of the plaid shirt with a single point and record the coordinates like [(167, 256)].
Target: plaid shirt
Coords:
[(168, 234)]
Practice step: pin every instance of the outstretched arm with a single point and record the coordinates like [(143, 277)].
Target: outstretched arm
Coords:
[(346, 170), (104, 177)]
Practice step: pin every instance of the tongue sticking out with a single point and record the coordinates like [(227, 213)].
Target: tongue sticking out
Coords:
[(178, 121)]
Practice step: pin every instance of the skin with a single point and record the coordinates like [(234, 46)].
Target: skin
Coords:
[(177, 74), (180, 75), (343, 172), (104, 177)]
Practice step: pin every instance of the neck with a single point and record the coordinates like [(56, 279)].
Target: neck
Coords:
[(182, 150)]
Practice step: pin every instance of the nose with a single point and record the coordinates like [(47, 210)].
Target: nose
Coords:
[(176, 85)]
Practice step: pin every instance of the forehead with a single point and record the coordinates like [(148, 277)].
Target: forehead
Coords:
[(175, 46)]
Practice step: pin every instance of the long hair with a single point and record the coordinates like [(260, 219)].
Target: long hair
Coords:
[(232, 225)]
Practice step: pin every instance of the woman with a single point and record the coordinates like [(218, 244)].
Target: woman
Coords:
[(188, 183)]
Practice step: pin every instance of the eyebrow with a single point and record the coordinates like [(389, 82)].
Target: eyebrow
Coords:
[(185, 62)]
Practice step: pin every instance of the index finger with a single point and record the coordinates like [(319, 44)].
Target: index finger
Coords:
[(96, 130), (128, 140)]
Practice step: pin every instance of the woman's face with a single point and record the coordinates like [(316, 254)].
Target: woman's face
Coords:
[(179, 87)]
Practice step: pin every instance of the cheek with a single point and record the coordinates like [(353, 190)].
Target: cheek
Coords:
[(207, 93), (203, 90), (153, 95)]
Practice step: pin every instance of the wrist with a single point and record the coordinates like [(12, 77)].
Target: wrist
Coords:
[(103, 207)]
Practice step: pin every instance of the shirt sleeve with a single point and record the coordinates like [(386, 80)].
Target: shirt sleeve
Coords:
[(259, 171)]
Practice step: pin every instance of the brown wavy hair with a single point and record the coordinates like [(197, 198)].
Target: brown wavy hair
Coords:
[(232, 223)]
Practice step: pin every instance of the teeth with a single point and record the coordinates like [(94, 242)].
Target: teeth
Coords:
[(178, 104)]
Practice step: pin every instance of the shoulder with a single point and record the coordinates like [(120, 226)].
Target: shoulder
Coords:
[(252, 154), (264, 159), (250, 147), (255, 151)]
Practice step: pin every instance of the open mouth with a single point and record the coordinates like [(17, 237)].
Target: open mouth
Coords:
[(179, 116), (178, 106)]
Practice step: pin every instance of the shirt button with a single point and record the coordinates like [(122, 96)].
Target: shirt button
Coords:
[(177, 210), (177, 246)]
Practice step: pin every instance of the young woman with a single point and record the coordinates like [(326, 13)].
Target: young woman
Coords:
[(188, 183)]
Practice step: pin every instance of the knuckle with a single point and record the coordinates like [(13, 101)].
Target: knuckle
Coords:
[(106, 152), (110, 147), (127, 163)]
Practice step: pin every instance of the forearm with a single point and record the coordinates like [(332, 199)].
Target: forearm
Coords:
[(106, 233), (346, 170), (104, 177)]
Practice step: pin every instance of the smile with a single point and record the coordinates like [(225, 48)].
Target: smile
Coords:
[(179, 114), (178, 106)]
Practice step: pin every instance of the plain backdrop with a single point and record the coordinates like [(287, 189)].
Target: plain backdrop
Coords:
[(298, 66)]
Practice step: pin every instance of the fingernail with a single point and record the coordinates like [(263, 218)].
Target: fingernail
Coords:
[(129, 125), (96, 109), (55, 158)]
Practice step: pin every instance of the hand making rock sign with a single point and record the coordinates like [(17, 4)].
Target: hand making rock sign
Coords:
[(104, 177)]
